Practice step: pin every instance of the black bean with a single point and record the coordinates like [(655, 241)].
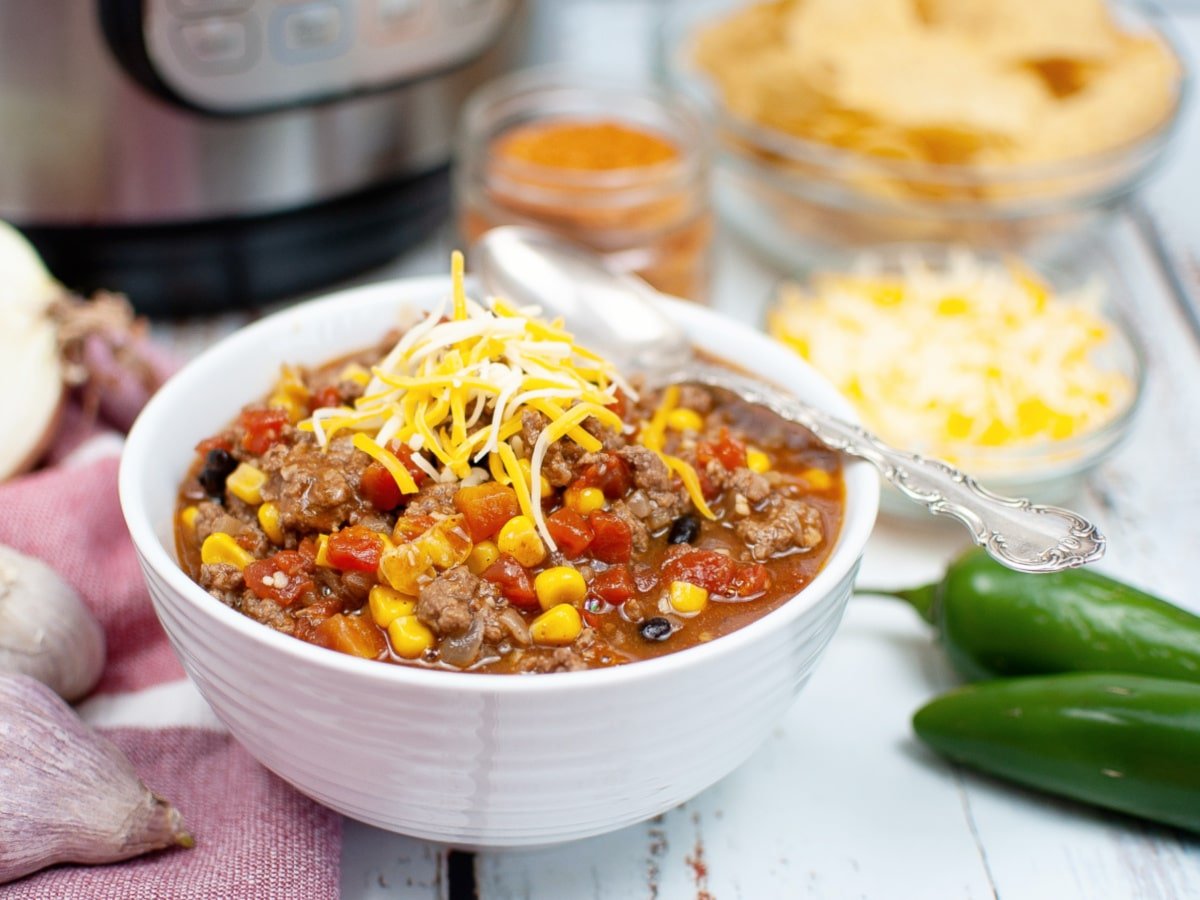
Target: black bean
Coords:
[(218, 466), (656, 629), (684, 530)]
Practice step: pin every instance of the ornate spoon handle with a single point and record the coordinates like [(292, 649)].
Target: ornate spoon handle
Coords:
[(1015, 532)]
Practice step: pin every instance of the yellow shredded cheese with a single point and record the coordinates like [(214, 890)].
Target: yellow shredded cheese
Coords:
[(653, 437), (691, 481), (960, 359), (517, 479), (454, 391), (388, 460)]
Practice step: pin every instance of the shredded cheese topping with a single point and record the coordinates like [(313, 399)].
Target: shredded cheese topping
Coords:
[(453, 391), (950, 360)]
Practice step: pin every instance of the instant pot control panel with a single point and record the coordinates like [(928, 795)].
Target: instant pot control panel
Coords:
[(232, 57)]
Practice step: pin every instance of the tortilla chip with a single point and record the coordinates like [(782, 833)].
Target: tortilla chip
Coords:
[(962, 82), (1028, 30), (1129, 98), (930, 81)]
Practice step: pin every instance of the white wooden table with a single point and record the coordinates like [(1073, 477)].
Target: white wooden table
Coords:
[(841, 801)]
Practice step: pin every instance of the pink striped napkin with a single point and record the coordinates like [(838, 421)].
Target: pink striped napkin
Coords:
[(256, 837)]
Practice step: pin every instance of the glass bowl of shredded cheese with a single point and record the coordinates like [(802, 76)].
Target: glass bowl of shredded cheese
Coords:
[(1027, 379)]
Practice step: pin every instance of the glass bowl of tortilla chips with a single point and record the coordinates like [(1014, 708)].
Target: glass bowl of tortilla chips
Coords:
[(1014, 125)]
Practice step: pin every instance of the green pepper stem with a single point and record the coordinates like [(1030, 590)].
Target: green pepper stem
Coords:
[(922, 599)]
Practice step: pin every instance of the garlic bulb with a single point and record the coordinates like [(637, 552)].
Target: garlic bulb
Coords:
[(69, 795), (45, 629)]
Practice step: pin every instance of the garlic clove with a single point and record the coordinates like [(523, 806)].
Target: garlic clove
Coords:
[(46, 631), (31, 371), (69, 794)]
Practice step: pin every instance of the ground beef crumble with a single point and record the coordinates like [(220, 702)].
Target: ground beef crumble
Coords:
[(315, 489), (784, 523)]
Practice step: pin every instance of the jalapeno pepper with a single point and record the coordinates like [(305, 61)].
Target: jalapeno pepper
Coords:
[(995, 622), (1124, 742)]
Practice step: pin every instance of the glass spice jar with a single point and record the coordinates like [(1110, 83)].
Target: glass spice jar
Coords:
[(623, 170)]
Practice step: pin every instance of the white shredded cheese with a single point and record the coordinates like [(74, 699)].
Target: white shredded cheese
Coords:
[(951, 360)]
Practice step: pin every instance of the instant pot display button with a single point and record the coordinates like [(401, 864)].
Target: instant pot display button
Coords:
[(216, 45), (310, 32)]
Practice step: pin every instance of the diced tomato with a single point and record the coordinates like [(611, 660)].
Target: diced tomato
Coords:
[(613, 586), (308, 549), (409, 528), (262, 577), (355, 635), (570, 531), (708, 487), (263, 427), (486, 507), (620, 403), (514, 581), (727, 450), (356, 549), (708, 569), (380, 488), (594, 619), (751, 579), (404, 453), (717, 573), (613, 542), (326, 396), (217, 442), (610, 473)]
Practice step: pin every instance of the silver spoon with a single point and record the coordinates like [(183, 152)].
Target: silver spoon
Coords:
[(619, 316)]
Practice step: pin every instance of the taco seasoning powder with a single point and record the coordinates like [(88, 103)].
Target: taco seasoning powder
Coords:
[(627, 176)]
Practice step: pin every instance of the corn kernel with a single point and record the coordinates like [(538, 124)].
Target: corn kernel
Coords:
[(446, 543), (686, 597), (356, 373), (557, 626), (561, 584), (406, 567), (290, 395), (387, 605), (219, 548), (482, 555), (584, 500), (519, 539), (527, 471), (246, 483), (296, 409), (685, 420), (268, 519), (322, 558), (409, 637), (818, 479), (757, 461), (188, 516)]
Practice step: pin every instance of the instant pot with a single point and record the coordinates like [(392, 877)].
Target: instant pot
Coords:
[(197, 154)]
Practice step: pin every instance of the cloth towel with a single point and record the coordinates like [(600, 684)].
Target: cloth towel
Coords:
[(256, 837)]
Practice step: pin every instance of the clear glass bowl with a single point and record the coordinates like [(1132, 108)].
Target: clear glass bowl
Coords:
[(803, 202), (1049, 472)]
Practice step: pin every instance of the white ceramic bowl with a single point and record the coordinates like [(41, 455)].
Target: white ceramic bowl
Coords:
[(470, 759)]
